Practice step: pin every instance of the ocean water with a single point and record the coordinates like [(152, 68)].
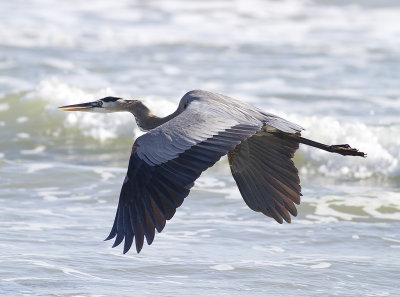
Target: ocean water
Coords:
[(331, 66)]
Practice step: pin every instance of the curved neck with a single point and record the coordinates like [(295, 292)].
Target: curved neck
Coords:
[(146, 120)]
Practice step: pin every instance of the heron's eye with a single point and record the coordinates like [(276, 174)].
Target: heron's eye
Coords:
[(100, 103), (186, 103)]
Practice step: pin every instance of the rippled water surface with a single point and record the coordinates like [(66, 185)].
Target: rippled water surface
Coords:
[(331, 66)]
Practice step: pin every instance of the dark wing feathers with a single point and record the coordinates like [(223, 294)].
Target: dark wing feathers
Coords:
[(152, 192), (266, 175)]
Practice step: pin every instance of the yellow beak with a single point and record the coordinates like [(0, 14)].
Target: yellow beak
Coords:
[(79, 107)]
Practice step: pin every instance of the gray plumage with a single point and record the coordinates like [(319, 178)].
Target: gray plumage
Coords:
[(206, 114), (166, 161)]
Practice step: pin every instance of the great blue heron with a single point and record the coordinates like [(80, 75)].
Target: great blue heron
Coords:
[(166, 161)]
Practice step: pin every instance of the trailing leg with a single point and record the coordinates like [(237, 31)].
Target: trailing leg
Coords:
[(342, 149)]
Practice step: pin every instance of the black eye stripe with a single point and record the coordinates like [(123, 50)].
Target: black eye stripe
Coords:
[(110, 99)]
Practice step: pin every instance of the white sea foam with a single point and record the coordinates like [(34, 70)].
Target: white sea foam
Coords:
[(34, 226), (378, 205), (105, 174), (23, 135), (321, 265), (391, 239), (36, 151), (34, 167), (222, 267), (78, 274), (21, 120), (269, 249), (4, 106)]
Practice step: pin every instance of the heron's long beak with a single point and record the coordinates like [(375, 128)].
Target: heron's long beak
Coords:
[(80, 107)]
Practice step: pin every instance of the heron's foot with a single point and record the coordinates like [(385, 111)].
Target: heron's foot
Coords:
[(346, 150)]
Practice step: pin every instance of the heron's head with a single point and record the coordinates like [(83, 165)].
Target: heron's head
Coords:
[(104, 105)]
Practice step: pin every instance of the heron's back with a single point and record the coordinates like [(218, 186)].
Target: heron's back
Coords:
[(239, 110)]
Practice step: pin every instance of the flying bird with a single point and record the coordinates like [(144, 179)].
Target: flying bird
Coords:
[(166, 161)]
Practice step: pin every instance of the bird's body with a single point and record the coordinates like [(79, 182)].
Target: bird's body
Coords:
[(166, 161)]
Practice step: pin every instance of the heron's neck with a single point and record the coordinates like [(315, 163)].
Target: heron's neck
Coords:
[(146, 120)]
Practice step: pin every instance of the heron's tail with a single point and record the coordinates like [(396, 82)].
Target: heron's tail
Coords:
[(342, 149)]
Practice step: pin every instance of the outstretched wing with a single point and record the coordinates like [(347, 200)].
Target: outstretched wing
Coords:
[(164, 164), (266, 176)]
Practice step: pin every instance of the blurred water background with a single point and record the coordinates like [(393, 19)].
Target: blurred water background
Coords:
[(331, 66)]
